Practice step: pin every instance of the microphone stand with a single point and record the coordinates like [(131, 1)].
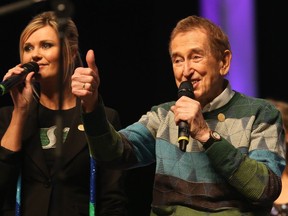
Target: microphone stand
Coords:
[(13, 7), (63, 10)]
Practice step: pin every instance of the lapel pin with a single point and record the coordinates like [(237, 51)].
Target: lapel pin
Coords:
[(81, 127)]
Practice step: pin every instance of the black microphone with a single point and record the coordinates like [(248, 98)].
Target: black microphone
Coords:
[(16, 79), (185, 89)]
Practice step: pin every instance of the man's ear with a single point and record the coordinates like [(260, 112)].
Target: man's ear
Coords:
[(226, 63)]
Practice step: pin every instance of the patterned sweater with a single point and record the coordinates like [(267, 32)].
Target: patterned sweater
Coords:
[(239, 175)]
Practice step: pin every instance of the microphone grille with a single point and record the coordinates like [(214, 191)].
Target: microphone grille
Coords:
[(186, 89), (31, 66)]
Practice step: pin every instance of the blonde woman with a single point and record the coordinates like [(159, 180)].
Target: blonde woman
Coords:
[(31, 180)]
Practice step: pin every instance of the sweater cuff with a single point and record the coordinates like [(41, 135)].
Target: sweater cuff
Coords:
[(95, 122), (224, 157)]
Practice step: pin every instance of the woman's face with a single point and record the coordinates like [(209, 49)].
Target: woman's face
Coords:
[(43, 47)]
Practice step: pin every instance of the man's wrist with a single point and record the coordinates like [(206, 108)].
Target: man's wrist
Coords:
[(213, 137)]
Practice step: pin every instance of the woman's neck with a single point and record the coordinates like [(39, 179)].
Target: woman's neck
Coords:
[(52, 101)]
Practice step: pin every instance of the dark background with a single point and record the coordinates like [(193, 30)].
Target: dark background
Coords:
[(130, 40)]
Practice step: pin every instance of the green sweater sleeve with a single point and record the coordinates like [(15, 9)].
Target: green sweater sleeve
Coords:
[(251, 178), (101, 135)]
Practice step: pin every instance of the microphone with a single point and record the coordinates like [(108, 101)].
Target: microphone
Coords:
[(16, 79), (185, 89)]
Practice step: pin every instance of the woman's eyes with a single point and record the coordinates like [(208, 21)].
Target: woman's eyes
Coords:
[(29, 48)]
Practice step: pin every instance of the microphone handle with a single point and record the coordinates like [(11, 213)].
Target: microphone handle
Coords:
[(185, 89), (183, 135), (12, 81)]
